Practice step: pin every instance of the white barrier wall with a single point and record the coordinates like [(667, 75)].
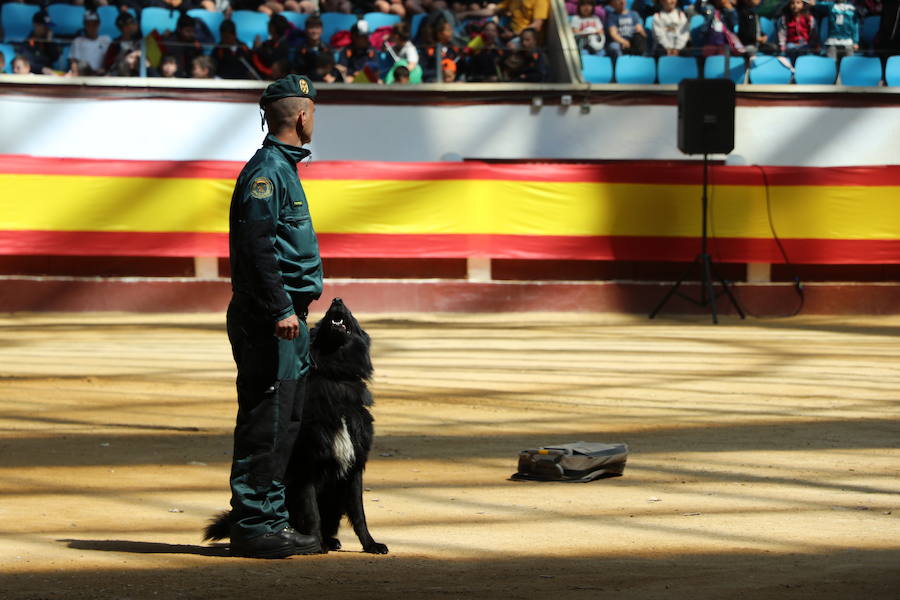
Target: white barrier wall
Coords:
[(148, 129)]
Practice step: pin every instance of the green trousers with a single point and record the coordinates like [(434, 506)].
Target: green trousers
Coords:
[(271, 388)]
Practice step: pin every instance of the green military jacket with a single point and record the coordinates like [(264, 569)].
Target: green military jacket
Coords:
[(273, 248)]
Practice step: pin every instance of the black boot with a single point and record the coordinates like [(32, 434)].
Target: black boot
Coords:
[(303, 544), (269, 545)]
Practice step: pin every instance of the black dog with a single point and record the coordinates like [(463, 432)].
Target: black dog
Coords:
[(324, 476)]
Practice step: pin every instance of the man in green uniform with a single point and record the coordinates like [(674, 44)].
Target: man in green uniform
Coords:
[(275, 273)]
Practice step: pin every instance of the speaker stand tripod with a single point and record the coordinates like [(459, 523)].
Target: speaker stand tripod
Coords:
[(708, 270)]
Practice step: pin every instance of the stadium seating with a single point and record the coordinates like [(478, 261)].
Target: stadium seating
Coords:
[(249, 24), (868, 31), (160, 19), (16, 20), (380, 19), (892, 71), (812, 69), (298, 20), (767, 26), (635, 69), (212, 20), (415, 24), (68, 19), (769, 70), (672, 69), (714, 68), (596, 69), (108, 15), (9, 53), (333, 22), (863, 71)]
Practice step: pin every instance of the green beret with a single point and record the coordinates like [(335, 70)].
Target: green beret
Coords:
[(292, 86)]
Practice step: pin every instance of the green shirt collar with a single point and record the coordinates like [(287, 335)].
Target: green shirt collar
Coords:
[(295, 153)]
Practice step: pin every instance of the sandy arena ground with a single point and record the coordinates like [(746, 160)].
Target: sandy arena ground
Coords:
[(765, 460)]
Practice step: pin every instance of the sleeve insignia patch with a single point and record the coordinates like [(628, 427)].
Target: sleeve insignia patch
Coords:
[(261, 187)]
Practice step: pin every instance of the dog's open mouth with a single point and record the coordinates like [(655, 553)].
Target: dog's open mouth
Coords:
[(339, 325)]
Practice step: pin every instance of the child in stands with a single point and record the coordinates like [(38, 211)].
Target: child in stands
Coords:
[(588, 28), (626, 33), (671, 29), (796, 29), (843, 22), (749, 30)]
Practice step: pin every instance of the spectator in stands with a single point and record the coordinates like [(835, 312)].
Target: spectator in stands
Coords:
[(182, 44), (486, 55), (40, 48), (671, 29), (626, 33), (359, 55), (888, 39), (125, 44), (273, 49), (21, 65), (400, 47), (325, 70), (90, 48), (129, 65), (535, 67), (796, 29), (341, 6), (428, 56), (232, 56), (307, 54), (749, 31), (843, 27), (203, 67), (269, 7), (449, 70), (523, 14), (401, 75), (717, 32), (168, 67), (588, 28), (394, 7)]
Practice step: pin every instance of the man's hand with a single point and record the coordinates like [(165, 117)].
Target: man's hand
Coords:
[(288, 329)]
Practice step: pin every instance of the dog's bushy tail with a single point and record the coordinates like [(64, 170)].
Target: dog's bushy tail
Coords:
[(219, 527)]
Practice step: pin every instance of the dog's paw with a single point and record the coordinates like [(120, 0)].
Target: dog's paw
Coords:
[(332, 544), (376, 548)]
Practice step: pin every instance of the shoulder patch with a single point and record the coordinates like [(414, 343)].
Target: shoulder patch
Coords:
[(261, 187)]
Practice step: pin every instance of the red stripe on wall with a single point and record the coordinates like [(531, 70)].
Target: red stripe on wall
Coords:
[(646, 172), (810, 251)]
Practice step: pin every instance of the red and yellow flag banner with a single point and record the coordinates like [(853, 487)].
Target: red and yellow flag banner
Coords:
[(619, 211)]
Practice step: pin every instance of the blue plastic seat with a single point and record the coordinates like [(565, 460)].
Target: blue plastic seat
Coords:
[(868, 30), (714, 68), (635, 69), (9, 53), (296, 19), (767, 27), (672, 69), (380, 19), (332, 22), (415, 24), (768, 70), (160, 19), (108, 15), (249, 24), (596, 69), (67, 19), (811, 69), (892, 71), (862, 71), (16, 20), (212, 20)]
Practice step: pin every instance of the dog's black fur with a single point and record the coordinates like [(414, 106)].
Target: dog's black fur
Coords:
[(324, 477)]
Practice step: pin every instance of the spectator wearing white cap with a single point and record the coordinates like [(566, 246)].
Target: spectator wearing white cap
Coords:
[(90, 48)]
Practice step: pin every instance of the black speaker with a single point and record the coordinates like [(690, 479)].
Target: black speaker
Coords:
[(706, 116)]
